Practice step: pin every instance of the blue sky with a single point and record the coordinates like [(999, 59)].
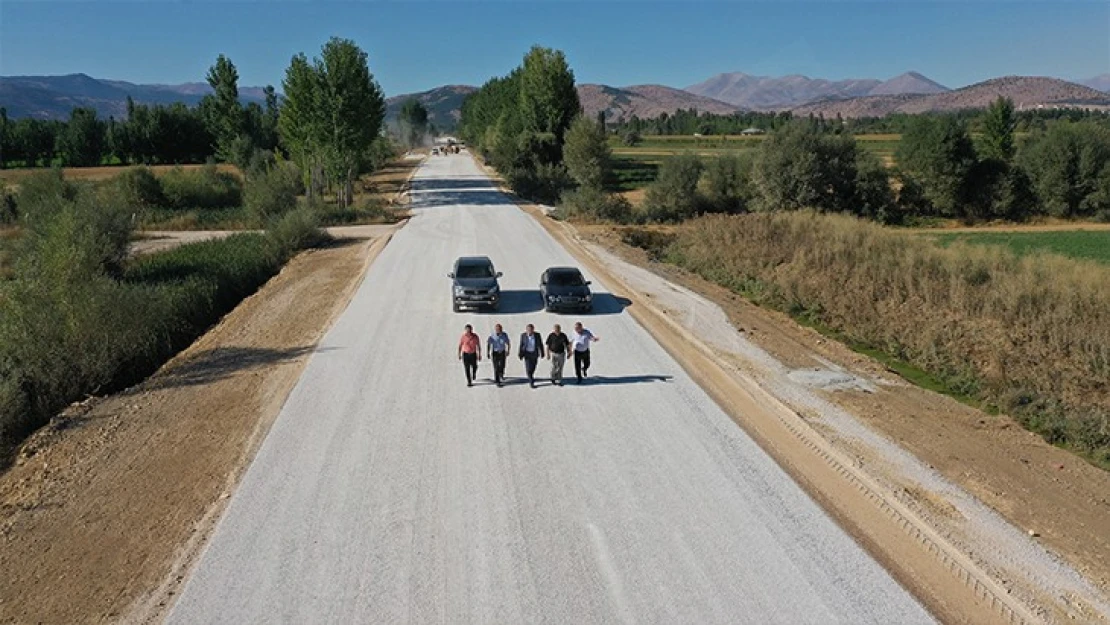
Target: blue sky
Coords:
[(418, 45)]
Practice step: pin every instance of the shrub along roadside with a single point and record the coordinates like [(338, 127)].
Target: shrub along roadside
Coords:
[(72, 328), (1030, 335)]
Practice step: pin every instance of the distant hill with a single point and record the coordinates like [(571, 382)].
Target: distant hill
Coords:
[(444, 105), (644, 101), (763, 93), (910, 82), (1100, 83), (1026, 92), (769, 93), (53, 97)]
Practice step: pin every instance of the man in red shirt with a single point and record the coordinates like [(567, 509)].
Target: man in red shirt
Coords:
[(470, 354)]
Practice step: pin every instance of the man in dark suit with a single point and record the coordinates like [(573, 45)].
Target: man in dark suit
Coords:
[(530, 350)]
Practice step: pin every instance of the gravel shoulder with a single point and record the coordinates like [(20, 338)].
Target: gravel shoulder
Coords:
[(106, 507), (1035, 518)]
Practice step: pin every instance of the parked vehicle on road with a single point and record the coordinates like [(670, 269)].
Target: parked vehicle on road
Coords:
[(564, 288), (474, 283)]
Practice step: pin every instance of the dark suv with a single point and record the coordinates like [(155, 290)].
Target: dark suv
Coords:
[(564, 288), (474, 283)]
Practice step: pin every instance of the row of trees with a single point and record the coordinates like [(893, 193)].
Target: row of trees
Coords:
[(1063, 171), (220, 126), (519, 123), (688, 122), (332, 116)]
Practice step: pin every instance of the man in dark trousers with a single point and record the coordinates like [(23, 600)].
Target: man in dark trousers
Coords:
[(530, 351), (581, 339), (470, 352), (497, 348), (557, 345)]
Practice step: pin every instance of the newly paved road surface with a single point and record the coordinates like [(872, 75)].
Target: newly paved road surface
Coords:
[(389, 492)]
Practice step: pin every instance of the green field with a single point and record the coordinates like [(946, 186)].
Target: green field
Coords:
[(7, 243), (1081, 244), (635, 167)]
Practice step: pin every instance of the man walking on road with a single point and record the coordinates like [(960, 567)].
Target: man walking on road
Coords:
[(470, 352), (531, 350), (581, 339), (497, 348), (557, 344)]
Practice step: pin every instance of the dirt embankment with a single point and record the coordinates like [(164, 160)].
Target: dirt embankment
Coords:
[(1060, 498), (105, 508)]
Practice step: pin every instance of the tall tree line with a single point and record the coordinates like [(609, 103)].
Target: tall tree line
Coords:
[(690, 121), (218, 127), (1062, 171), (332, 116), (519, 123)]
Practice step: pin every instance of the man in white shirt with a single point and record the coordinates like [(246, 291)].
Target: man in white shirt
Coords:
[(530, 351), (580, 339)]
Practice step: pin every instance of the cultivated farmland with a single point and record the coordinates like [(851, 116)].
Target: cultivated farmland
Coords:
[(635, 167)]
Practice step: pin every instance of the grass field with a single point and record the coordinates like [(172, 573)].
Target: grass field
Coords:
[(13, 176), (1080, 244), (7, 242), (636, 167), (1026, 334)]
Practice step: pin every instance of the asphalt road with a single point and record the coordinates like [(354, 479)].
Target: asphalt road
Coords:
[(389, 492)]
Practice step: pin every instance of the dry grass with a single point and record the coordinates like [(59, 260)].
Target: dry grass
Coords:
[(13, 176), (383, 185), (8, 237), (1030, 334)]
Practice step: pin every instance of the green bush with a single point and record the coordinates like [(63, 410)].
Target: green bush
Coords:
[(592, 203), (297, 229), (201, 188), (543, 184), (674, 194), (271, 192), (370, 211), (726, 184), (43, 187), (138, 188), (9, 213), (71, 240)]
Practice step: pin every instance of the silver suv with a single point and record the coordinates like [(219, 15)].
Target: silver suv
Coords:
[(474, 284)]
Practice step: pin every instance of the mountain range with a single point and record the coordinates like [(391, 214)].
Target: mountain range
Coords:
[(765, 93), (1025, 92), (53, 97)]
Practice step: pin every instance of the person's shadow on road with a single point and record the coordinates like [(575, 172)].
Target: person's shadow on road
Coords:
[(625, 379)]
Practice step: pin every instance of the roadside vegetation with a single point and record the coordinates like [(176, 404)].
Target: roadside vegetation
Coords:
[(80, 316), (518, 123), (792, 215), (973, 167), (1028, 334)]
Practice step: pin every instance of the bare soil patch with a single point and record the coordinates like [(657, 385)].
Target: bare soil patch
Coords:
[(104, 510)]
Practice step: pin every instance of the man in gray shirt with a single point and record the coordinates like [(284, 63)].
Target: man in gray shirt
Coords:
[(497, 348)]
